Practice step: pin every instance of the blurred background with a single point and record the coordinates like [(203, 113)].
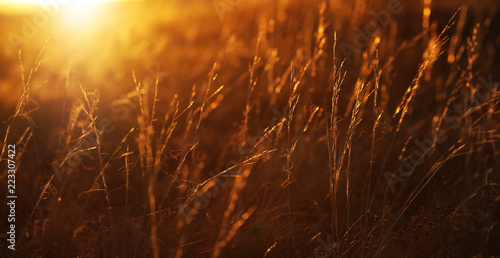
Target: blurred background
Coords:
[(182, 53)]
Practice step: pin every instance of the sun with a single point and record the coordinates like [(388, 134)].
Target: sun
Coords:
[(56, 2), (75, 16), (26, 6)]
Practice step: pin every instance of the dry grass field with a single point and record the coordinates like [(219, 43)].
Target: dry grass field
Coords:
[(250, 128)]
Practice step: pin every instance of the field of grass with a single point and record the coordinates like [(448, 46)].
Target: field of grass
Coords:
[(251, 128)]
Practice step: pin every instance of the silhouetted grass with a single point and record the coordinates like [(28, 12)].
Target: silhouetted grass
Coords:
[(257, 135)]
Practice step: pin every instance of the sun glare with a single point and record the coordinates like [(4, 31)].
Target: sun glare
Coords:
[(55, 2), (24, 6), (75, 16)]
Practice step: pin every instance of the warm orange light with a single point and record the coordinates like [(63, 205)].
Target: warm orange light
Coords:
[(25, 6), (56, 2)]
